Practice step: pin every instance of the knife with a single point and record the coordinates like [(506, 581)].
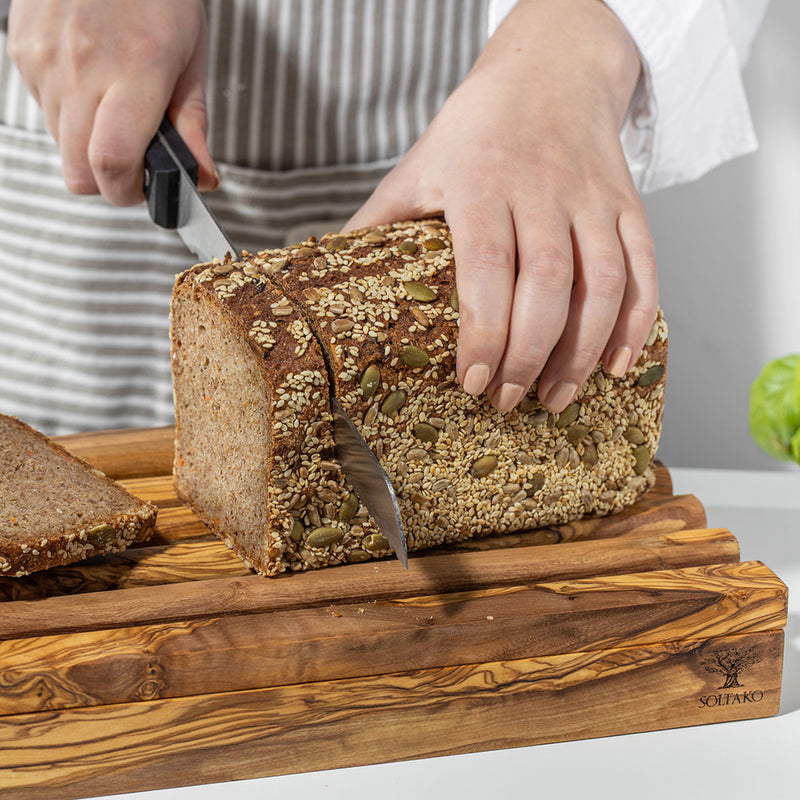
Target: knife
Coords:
[(170, 187)]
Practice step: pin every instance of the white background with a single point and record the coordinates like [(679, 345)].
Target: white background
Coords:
[(728, 249)]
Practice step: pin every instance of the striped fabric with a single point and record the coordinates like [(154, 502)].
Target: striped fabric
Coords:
[(311, 102)]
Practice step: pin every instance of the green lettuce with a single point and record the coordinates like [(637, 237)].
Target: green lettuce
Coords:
[(775, 408)]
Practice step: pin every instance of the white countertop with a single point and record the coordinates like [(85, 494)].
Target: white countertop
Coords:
[(732, 761)]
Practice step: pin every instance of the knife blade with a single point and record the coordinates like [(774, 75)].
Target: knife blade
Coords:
[(174, 202), (170, 186), (369, 479)]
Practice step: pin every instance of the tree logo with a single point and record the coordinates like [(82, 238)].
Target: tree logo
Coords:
[(730, 663)]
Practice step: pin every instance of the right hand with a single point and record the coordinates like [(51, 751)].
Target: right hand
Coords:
[(104, 72)]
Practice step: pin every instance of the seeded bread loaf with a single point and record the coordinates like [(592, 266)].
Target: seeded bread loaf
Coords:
[(56, 509), (255, 344)]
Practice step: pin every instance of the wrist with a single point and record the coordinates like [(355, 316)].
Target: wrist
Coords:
[(582, 42)]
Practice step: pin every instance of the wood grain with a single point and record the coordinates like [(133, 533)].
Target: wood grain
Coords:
[(172, 664), (427, 574), (386, 635), (126, 453), (153, 744)]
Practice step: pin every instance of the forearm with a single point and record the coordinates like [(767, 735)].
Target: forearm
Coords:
[(584, 39)]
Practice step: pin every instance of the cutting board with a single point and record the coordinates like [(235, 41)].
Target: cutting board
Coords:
[(173, 664)]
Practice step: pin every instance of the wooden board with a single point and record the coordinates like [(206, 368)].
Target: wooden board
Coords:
[(173, 664)]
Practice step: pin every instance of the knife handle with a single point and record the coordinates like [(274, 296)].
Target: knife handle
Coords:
[(161, 175)]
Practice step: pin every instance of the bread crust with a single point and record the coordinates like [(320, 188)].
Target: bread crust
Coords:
[(382, 306), (27, 480)]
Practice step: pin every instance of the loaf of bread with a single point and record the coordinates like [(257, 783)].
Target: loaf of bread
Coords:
[(256, 345), (57, 509)]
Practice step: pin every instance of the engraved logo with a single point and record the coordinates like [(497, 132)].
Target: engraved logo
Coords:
[(730, 663)]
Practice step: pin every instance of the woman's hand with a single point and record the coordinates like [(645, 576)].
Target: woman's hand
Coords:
[(104, 72), (555, 261)]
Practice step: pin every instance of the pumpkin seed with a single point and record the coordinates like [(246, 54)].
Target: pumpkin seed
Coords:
[(425, 432), (434, 243), (568, 415), (101, 535), (348, 508), (394, 400), (323, 537), (358, 556), (375, 542), (336, 244), (408, 247), (454, 298), (641, 456), (482, 466), (419, 291), (651, 375), (577, 433), (634, 435), (370, 380), (297, 531), (414, 357)]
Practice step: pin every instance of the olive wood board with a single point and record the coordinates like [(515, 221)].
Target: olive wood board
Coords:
[(172, 664)]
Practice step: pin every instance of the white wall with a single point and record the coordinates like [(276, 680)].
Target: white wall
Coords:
[(728, 249)]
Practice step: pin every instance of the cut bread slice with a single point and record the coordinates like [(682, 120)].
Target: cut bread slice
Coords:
[(57, 509)]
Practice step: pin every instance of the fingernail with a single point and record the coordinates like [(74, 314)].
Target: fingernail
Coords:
[(507, 396), (618, 363), (476, 378), (559, 397)]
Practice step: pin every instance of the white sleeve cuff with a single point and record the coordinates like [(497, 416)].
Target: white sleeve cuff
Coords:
[(689, 113)]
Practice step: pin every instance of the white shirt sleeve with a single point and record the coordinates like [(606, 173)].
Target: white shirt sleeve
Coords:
[(689, 112)]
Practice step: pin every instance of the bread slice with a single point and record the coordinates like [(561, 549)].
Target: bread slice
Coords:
[(374, 314), (57, 509)]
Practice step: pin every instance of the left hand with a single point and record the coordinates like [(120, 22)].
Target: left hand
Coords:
[(555, 261)]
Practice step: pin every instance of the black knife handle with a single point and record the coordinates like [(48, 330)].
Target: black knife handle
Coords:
[(161, 175)]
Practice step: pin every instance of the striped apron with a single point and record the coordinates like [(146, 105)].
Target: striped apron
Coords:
[(310, 103)]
